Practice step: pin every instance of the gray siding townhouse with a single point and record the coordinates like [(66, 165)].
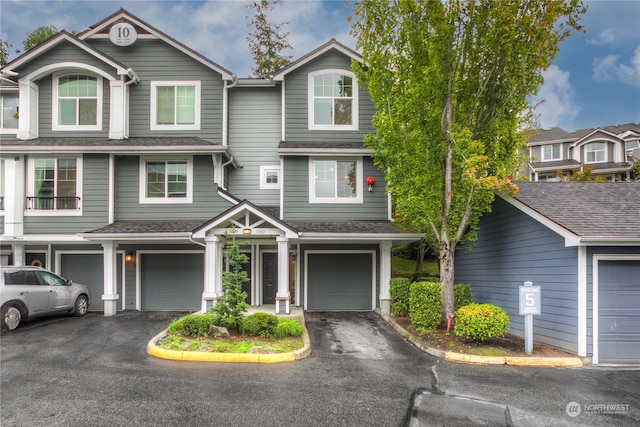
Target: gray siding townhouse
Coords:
[(580, 242), (128, 160), (609, 151)]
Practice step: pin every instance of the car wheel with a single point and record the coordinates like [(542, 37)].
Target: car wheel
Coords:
[(81, 307), (11, 317)]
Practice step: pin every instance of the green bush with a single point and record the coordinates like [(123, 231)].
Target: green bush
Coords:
[(477, 322), (462, 295), (424, 276), (425, 305), (399, 289), (193, 325), (262, 324), (287, 328)]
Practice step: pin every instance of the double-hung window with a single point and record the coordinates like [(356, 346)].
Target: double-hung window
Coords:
[(551, 152), (166, 181), (8, 112), (77, 102), (335, 180), (333, 100), (175, 105), (595, 152), (55, 185)]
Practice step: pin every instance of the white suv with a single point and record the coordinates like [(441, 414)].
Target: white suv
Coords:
[(28, 292)]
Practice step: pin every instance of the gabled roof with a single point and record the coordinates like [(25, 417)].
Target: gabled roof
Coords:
[(123, 15), (584, 212), (556, 134), (330, 45), (62, 37)]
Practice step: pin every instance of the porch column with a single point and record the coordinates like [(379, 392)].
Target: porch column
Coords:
[(18, 254), (385, 278), (14, 197), (283, 304), (110, 296), (212, 271)]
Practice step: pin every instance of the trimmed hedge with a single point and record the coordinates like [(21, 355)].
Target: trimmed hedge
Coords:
[(477, 322), (288, 328), (194, 325), (425, 305), (262, 324), (462, 295), (399, 289)]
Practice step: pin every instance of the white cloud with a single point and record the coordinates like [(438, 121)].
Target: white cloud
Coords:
[(606, 37), (610, 68), (555, 99)]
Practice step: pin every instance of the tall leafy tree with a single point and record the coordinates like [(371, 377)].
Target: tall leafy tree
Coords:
[(450, 81), (267, 41), (5, 46), (39, 35)]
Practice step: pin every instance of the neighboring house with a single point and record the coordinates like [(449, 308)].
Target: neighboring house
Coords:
[(135, 159), (579, 241), (609, 151)]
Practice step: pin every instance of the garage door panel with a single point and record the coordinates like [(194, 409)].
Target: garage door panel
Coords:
[(172, 281), (88, 269)]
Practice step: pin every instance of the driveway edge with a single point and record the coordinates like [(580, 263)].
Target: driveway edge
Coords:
[(574, 362)]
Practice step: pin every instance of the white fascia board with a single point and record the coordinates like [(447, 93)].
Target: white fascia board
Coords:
[(609, 241), (297, 64), (370, 237), (570, 239), (325, 151), (137, 237), (552, 141), (587, 137), (118, 149), (44, 238)]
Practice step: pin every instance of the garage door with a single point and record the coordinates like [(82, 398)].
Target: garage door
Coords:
[(340, 281), (88, 270), (172, 281), (619, 312)]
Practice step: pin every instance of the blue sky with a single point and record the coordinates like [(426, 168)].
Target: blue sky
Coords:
[(594, 80)]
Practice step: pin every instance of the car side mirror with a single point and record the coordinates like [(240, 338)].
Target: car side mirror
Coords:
[(69, 282)]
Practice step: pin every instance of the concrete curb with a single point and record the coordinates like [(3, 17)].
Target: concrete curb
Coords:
[(574, 362), (200, 356)]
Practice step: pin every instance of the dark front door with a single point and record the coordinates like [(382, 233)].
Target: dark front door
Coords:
[(269, 277)]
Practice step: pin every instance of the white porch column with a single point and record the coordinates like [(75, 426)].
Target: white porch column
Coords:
[(28, 121), (14, 196), (110, 296), (18, 254), (283, 297), (385, 278), (118, 110), (212, 271)]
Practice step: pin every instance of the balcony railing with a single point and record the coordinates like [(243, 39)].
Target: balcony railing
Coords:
[(1, 203), (53, 203)]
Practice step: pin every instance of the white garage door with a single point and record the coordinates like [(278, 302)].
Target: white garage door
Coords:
[(619, 312), (172, 281)]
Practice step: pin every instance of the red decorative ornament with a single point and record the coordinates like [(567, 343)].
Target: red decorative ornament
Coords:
[(370, 182)]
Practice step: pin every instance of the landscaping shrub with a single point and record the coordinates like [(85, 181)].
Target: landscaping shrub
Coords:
[(287, 328), (232, 306), (477, 322), (262, 324), (462, 295), (399, 289), (193, 325), (423, 276), (425, 305)]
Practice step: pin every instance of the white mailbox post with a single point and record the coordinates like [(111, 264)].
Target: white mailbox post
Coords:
[(529, 306)]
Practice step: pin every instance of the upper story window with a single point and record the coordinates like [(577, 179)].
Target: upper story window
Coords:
[(269, 177), (551, 152), (632, 148), (55, 186), (335, 180), (166, 181), (595, 152), (8, 112), (175, 105), (333, 100), (77, 102)]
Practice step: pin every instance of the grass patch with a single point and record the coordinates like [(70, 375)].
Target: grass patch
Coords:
[(408, 266), (237, 344)]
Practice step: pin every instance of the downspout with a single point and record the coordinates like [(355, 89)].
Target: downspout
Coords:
[(194, 242), (133, 76), (225, 107)]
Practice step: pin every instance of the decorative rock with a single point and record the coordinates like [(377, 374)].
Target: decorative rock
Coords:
[(218, 332)]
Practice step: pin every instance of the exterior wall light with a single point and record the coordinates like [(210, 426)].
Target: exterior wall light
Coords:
[(246, 231), (370, 182), (129, 257)]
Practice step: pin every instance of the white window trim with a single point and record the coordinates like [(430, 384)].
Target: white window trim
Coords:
[(264, 185), (551, 159), (165, 200), (586, 151), (339, 200), (31, 188), (54, 104), (154, 104), (354, 104), (4, 130)]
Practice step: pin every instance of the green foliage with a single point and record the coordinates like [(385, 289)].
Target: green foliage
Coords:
[(462, 295), (262, 324), (288, 328), (233, 303), (477, 322), (267, 40), (399, 289), (193, 325), (425, 302), (5, 46), (425, 276), (39, 35), (635, 170)]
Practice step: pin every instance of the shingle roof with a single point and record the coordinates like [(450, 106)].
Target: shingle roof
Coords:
[(558, 134), (587, 209), (140, 227), (105, 142), (381, 227)]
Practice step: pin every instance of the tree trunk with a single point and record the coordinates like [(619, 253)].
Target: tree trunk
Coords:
[(447, 252), (422, 248)]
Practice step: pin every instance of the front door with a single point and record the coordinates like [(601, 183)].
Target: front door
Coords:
[(269, 277)]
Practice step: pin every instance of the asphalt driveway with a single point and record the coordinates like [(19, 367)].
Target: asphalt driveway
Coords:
[(66, 371)]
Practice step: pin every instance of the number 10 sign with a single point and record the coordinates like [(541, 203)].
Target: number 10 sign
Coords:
[(529, 299)]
